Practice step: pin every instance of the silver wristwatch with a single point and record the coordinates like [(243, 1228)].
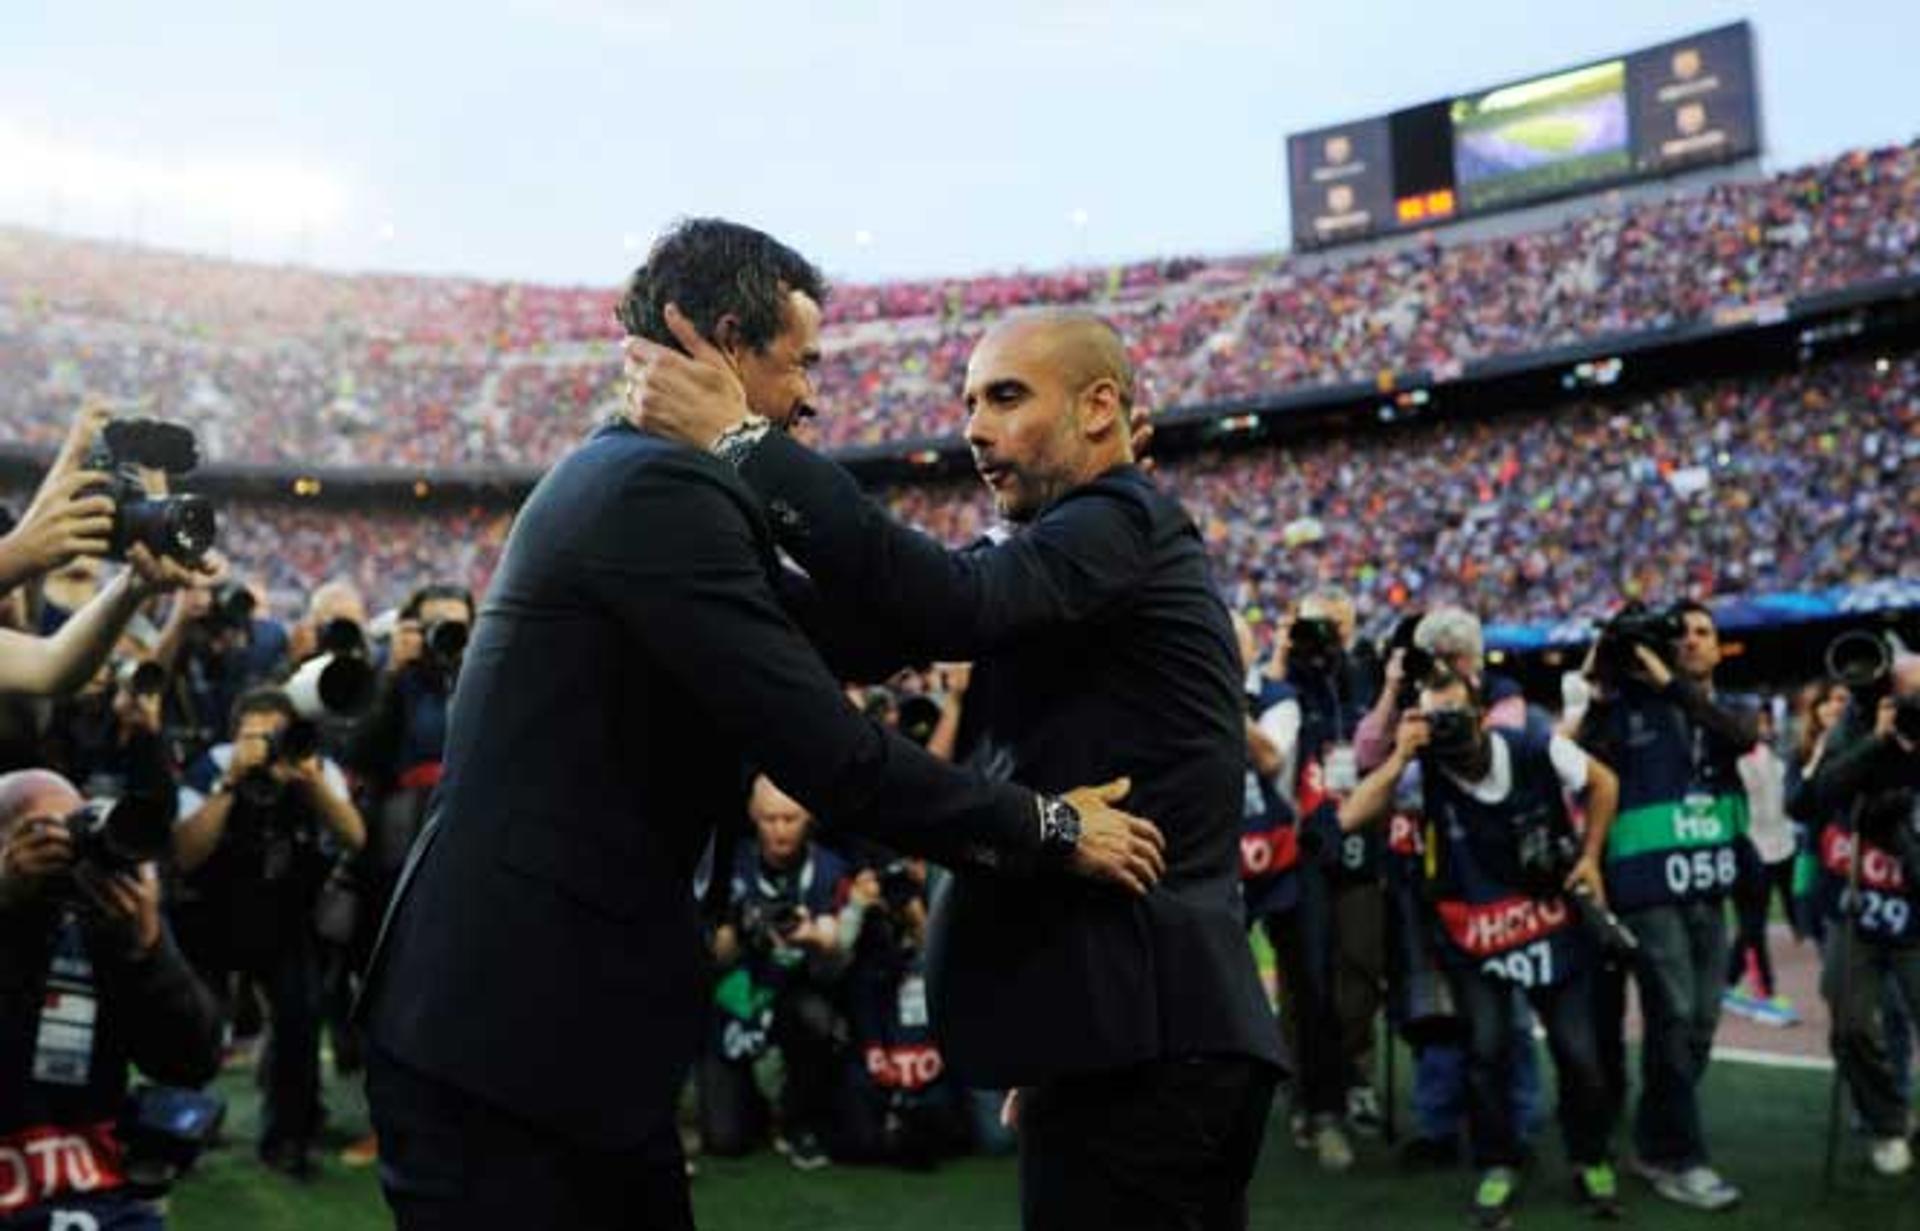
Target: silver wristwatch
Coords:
[(1059, 828), (738, 442)]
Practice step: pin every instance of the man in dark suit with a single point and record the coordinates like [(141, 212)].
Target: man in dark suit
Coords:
[(536, 997), (1137, 1026)]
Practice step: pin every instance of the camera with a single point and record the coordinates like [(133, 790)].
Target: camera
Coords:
[(446, 641), (339, 681), (141, 677), (767, 924), (898, 885), (1313, 643), (1547, 857), (111, 837), (1416, 664), (232, 607), (1636, 625), (1451, 732), (180, 527), (258, 786), (1863, 661)]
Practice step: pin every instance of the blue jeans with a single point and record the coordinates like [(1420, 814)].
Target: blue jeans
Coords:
[(1680, 973), (1566, 1010), (1440, 1083)]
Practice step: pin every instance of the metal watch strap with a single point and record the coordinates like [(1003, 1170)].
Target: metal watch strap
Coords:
[(1059, 827), (738, 442)]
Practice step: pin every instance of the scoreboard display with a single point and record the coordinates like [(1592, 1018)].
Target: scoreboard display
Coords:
[(1685, 104)]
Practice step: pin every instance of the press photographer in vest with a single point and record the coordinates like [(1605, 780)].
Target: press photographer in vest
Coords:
[(1671, 860), (1517, 902), (1864, 805), (90, 982)]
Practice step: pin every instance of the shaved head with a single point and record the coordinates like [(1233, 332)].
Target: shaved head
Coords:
[(1082, 348), (35, 792), (1048, 398)]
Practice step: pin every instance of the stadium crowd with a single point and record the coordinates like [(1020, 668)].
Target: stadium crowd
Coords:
[(1737, 487), (295, 367)]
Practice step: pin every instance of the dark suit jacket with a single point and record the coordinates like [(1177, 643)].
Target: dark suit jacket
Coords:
[(543, 951), (1101, 650)]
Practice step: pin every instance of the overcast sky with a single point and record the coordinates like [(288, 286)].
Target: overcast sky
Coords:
[(548, 139)]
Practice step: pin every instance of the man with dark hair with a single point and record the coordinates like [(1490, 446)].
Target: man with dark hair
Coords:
[(537, 996), (1136, 1027), (262, 821), (1670, 861)]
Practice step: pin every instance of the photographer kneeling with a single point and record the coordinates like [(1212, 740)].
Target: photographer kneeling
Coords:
[(1517, 903), (1866, 800), (90, 981), (258, 840), (780, 961)]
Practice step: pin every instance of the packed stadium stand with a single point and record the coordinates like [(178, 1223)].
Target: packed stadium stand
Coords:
[(297, 368), (1760, 483)]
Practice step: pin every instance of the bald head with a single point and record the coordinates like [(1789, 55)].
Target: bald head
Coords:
[(1081, 347), (1048, 397), (35, 793)]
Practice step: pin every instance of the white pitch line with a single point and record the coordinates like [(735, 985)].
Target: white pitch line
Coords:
[(1774, 1060)]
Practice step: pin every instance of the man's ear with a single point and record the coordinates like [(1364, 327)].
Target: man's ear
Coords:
[(1102, 410), (727, 339)]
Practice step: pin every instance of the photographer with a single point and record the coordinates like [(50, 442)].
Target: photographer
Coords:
[(1449, 638), (1671, 861), (396, 750), (103, 735), (259, 833), (214, 647), (1864, 800), (90, 982), (1343, 905), (780, 960), (1509, 889), (902, 1108)]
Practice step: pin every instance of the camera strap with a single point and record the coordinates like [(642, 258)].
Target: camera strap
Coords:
[(69, 1010)]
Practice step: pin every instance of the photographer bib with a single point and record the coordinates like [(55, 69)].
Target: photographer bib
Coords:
[(1883, 907), (1682, 809), (1488, 921)]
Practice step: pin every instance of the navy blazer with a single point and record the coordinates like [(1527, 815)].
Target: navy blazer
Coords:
[(543, 950), (1101, 650)]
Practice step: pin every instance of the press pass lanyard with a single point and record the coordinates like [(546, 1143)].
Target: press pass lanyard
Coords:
[(63, 1042)]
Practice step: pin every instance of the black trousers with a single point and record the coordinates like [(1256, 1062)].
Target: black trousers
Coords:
[(1165, 1146), (450, 1162)]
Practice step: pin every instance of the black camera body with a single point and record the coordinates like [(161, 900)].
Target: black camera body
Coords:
[(898, 885), (180, 527), (1416, 665), (115, 837), (1637, 625), (446, 642), (1313, 643), (766, 924), (258, 787), (1547, 857)]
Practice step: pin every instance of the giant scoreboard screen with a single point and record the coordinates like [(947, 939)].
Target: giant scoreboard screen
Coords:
[(1684, 104)]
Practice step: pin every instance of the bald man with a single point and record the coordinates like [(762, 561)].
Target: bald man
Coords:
[(1135, 1029)]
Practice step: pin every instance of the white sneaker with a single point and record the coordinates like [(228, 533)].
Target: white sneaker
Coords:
[(1892, 1156), (1700, 1187), (1331, 1149)]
